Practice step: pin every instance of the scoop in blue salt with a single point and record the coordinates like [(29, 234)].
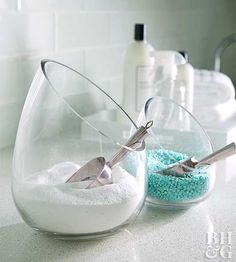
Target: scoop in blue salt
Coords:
[(167, 187)]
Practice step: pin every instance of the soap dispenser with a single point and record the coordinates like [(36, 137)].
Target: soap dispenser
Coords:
[(138, 72)]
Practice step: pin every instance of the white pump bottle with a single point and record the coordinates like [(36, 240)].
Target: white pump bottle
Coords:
[(138, 72)]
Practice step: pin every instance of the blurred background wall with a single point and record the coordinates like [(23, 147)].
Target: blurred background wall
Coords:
[(92, 35)]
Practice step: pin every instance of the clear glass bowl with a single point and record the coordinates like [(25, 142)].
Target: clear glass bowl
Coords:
[(66, 121), (175, 136)]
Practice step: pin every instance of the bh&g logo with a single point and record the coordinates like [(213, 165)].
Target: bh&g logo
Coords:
[(219, 245)]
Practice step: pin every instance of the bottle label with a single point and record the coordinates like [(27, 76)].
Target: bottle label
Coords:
[(144, 85)]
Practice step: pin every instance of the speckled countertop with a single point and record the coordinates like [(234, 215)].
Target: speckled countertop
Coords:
[(156, 235)]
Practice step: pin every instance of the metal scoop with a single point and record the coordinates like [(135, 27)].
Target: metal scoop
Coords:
[(99, 170), (188, 165)]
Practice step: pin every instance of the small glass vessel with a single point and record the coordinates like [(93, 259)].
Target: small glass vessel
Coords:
[(175, 136), (66, 121)]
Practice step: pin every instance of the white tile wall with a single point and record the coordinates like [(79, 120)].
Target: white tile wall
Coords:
[(83, 29), (92, 35), (8, 4), (74, 59), (15, 79), (9, 117), (25, 32), (104, 63), (51, 4)]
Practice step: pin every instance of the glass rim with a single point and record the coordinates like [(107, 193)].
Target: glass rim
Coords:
[(43, 64)]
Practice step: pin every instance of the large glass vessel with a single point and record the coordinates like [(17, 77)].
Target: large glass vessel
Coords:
[(68, 120)]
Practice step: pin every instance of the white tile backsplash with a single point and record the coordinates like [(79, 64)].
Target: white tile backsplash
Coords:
[(9, 118), (92, 35), (8, 4), (14, 80), (74, 59), (83, 29), (51, 4), (104, 63), (25, 32), (108, 5)]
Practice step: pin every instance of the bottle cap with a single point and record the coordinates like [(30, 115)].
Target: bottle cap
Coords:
[(184, 54), (140, 32)]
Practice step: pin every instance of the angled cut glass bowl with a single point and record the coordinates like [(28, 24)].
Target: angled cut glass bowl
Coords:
[(68, 120), (175, 136)]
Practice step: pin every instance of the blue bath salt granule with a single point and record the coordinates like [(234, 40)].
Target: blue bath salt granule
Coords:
[(171, 188)]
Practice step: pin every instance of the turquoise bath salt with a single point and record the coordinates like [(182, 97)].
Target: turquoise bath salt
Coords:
[(171, 188)]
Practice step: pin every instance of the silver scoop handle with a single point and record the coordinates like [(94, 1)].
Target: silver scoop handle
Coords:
[(136, 142), (218, 155)]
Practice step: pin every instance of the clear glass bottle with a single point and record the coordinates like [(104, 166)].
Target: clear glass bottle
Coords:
[(68, 120), (175, 136), (165, 73), (184, 84)]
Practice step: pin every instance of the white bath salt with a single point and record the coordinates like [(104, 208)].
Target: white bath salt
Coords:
[(55, 206)]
